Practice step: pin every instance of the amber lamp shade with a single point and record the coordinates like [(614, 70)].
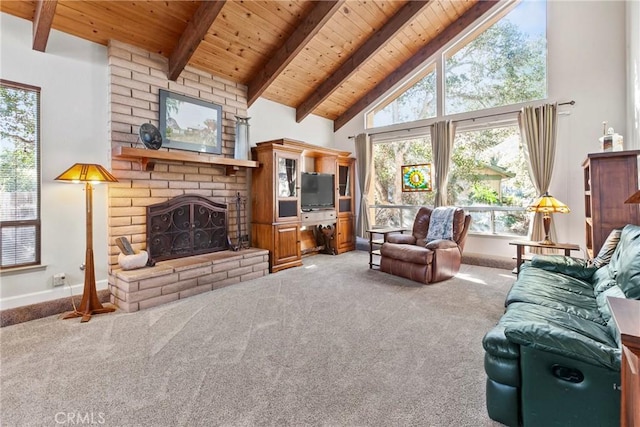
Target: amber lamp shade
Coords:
[(546, 205), (88, 174)]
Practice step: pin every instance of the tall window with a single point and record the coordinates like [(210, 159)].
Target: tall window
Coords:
[(388, 158), (502, 62), (415, 100), (502, 65), (19, 174), (488, 169)]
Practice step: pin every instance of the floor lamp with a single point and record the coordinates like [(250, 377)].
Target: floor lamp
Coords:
[(546, 205), (89, 174)]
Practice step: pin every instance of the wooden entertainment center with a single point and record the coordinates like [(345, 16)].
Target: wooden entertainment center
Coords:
[(278, 223)]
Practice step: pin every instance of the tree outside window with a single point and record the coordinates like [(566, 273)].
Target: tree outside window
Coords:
[(388, 158), (489, 169), (417, 101), (501, 63), (19, 175)]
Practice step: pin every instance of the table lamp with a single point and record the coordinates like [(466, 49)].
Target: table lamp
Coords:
[(89, 174), (546, 205)]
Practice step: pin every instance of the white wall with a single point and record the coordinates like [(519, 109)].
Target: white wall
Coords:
[(270, 120), (584, 65), (589, 67), (72, 75), (633, 74)]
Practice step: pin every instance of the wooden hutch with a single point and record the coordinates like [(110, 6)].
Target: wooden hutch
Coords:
[(609, 179), (277, 222)]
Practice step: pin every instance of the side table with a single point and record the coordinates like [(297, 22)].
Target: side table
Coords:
[(379, 241), (521, 244)]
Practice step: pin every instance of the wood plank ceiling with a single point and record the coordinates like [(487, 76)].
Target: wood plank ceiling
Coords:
[(329, 58)]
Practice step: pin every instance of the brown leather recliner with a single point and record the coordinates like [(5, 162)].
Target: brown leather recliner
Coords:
[(408, 255)]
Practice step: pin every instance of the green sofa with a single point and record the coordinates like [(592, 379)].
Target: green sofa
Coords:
[(553, 359)]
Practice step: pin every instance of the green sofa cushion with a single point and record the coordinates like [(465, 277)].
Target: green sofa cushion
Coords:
[(558, 332), (574, 267), (603, 305), (625, 263), (532, 276)]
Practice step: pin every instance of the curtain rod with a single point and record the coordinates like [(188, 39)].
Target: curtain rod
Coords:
[(461, 120)]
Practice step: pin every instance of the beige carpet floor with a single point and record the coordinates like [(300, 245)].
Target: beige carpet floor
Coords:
[(331, 343)]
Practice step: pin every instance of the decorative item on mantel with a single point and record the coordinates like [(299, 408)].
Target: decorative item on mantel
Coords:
[(150, 136), (610, 141), (241, 151)]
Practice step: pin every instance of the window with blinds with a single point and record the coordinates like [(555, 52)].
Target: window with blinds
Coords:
[(19, 174)]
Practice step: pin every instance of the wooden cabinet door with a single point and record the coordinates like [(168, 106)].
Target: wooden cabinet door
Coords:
[(286, 245), (287, 186), (346, 235)]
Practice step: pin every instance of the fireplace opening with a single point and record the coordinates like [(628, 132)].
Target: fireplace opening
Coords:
[(186, 225)]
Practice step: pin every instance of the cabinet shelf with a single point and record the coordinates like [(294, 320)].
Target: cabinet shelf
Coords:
[(147, 158)]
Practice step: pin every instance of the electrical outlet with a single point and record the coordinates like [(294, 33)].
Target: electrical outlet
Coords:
[(58, 279), (244, 238)]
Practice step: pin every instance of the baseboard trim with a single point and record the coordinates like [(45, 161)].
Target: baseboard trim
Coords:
[(484, 260), (12, 316)]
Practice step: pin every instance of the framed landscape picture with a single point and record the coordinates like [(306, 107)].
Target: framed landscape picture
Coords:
[(190, 123), (416, 177)]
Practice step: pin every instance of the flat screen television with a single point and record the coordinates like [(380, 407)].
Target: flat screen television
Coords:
[(318, 191)]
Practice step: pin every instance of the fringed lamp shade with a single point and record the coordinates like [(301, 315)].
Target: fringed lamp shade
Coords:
[(86, 172), (546, 205)]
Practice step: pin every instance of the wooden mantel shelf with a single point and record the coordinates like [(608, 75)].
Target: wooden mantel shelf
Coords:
[(147, 157)]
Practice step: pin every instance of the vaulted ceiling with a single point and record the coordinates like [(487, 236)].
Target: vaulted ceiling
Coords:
[(329, 58)]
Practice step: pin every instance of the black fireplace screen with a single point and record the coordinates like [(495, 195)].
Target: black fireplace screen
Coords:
[(184, 226)]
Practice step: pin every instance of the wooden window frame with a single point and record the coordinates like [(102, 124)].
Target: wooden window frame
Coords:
[(37, 222)]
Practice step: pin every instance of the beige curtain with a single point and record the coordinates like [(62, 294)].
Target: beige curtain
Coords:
[(364, 163), (442, 135), (538, 131)]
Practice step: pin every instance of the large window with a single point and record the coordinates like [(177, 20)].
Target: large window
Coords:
[(416, 100), (19, 174), (501, 62), (389, 157), (489, 175), (498, 64), (504, 64)]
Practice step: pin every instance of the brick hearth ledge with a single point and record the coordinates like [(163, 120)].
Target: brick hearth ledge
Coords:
[(175, 279)]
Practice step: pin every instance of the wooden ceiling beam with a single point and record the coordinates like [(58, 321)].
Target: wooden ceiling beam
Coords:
[(372, 46), (468, 18), (308, 28), (190, 39), (42, 20)]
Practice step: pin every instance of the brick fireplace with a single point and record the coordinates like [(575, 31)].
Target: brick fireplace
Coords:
[(136, 76)]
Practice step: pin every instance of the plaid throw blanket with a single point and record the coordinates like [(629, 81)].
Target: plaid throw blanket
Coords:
[(441, 224)]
